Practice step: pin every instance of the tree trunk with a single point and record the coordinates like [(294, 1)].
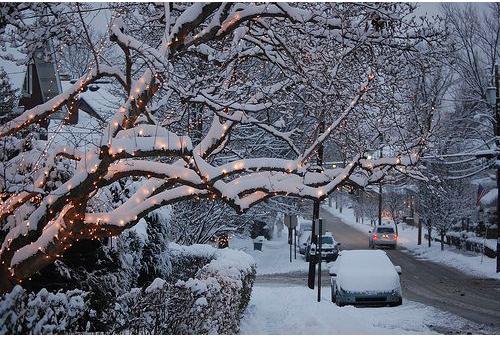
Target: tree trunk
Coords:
[(429, 231), (442, 241), (5, 283)]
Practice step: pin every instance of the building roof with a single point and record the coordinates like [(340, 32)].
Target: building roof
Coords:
[(99, 97), (88, 130), (490, 198)]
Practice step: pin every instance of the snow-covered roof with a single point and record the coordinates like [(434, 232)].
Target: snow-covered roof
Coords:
[(80, 135), (15, 72), (487, 181), (88, 130), (99, 96), (490, 198)]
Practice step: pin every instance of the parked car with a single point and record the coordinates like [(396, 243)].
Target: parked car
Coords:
[(329, 248), (304, 225), (303, 241), (383, 236), (365, 277)]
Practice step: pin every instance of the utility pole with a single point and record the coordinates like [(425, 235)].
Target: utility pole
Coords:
[(318, 254), (493, 98), (314, 236), (380, 197), (497, 134)]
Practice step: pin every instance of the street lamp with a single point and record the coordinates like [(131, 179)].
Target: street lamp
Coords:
[(493, 98)]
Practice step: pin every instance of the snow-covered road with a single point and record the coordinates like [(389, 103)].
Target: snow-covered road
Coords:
[(467, 295)]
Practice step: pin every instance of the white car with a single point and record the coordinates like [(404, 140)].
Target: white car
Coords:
[(303, 241), (365, 277), (305, 225), (383, 236)]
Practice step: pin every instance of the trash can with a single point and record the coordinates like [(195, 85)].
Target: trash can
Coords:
[(257, 243)]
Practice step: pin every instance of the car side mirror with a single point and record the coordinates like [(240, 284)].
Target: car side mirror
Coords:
[(369, 231), (398, 269), (332, 274), (338, 243)]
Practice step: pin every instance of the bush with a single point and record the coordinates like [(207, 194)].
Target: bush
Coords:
[(260, 228), (210, 301), (206, 293), (22, 312)]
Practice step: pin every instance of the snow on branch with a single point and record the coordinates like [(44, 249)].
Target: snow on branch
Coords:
[(271, 69), (53, 105)]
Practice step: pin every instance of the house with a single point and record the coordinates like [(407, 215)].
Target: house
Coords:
[(40, 80)]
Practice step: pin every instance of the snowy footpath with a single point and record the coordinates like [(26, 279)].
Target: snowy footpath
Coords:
[(274, 257), (284, 307), (468, 262), (295, 310)]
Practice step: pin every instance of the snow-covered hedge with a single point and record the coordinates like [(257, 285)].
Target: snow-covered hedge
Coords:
[(209, 297), (206, 293), (469, 241), (22, 312)]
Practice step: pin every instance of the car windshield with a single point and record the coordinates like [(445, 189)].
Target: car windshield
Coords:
[(327, 240), (306, 226), (385, 230)]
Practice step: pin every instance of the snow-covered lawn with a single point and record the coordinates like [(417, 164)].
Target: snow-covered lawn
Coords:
[(294, 310), (468, 262), (274, 257)]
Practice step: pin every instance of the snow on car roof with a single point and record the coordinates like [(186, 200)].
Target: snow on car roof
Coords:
[(365, 271)]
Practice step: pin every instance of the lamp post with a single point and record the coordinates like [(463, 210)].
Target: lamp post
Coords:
[(493, 97)]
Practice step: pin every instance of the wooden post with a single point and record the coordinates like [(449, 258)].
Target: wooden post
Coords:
[(318, 254), (419, 232)]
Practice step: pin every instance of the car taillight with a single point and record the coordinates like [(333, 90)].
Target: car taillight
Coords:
[(395, 236), (375, 237)]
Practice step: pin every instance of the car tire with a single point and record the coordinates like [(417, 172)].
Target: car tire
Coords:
[(338, 302), (398, 303), (394, 247), (307, 258), (334, 298)]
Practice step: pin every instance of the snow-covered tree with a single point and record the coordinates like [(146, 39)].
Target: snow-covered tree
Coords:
[(443, 203), (224, 101), (470, 125), (8, 97)]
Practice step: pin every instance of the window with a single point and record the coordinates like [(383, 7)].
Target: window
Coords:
[(327, 240), (28, 81), (385, 230), (47, 77)]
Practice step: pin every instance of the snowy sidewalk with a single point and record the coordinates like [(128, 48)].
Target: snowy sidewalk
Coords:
[(274, 257), (294, 310), (467, 262)]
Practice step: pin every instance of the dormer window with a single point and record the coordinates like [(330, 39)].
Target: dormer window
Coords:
[(28, 82)]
